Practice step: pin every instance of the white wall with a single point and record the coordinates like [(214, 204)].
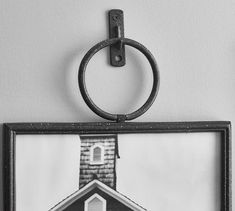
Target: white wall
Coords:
[(42, 43)]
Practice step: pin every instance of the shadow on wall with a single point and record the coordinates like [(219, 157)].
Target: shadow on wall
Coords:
[(67, 83)]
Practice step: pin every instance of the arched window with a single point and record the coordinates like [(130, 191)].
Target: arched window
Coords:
[(97, 154), (95, 203)]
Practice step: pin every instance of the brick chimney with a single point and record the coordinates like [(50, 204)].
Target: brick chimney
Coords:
[(98, 159)]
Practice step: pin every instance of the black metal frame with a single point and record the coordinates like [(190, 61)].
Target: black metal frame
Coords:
[(12, 129)]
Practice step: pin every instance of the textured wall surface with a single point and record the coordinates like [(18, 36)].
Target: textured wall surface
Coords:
[(42, 44)]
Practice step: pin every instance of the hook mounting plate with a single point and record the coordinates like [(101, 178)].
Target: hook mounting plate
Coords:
[(116, 30)]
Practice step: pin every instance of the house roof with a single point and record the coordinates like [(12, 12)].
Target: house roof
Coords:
[(90, 186)]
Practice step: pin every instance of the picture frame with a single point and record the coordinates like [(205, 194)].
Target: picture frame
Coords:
[(12, 130)]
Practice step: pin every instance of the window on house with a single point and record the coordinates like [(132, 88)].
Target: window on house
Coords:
[(95, 203), (97, 154)]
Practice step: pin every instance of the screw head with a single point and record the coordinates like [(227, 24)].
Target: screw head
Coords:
[(116, 17)]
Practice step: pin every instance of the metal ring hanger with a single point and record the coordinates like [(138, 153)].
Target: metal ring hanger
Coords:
[(117, 58)]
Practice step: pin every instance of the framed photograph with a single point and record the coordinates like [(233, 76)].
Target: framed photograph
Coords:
[(117, 166)]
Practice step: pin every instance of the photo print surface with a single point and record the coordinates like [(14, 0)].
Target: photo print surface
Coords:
[(147, 171)]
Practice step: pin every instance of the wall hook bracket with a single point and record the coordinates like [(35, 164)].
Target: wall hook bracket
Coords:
[(116, 30), (117, 43)]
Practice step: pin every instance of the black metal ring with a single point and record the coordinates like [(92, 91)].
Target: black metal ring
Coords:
[(83, 89)]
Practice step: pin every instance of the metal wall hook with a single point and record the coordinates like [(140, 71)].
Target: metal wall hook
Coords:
[(117, 43), (116, 30)]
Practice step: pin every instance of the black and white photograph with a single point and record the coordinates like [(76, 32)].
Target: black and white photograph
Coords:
[(117, 105), (175, 168)]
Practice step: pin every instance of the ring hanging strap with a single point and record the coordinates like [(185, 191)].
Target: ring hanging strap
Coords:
[(88, 100)]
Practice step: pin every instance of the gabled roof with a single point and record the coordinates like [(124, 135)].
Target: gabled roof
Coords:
[(90, 186)]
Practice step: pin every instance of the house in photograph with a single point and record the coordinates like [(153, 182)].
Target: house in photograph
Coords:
[(97, 179)]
